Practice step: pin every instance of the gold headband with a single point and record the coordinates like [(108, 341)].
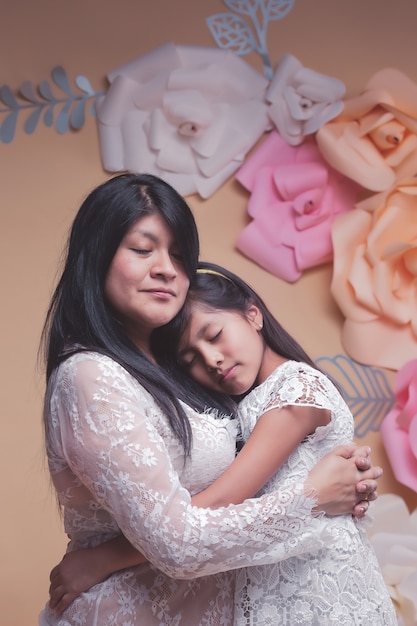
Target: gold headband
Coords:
[(203, 270)]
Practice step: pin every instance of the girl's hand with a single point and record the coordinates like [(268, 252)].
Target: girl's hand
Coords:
[(77, 572), (344, 481)]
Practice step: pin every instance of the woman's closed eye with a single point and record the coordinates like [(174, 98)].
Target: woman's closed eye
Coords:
[(141, 251)]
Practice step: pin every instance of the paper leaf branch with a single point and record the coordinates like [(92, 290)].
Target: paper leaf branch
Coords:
[(232, 32), (365, 389), (66, 112)]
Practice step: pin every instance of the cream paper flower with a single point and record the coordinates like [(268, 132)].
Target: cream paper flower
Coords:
[(187, 114), (394, 538), (302, 100), (374, 140)]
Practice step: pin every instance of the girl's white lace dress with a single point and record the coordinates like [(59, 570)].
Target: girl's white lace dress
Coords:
[(341, 583), (117, 467)]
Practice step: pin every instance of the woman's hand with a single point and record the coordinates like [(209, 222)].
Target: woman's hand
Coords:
[(77, 572), (81, 569), (344, 481)]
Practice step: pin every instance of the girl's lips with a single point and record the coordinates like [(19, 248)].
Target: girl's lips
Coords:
[(225, 375)]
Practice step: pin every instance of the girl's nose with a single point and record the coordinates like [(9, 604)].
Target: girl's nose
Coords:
[(212, 359)]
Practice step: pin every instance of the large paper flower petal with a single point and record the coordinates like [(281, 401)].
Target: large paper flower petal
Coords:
[(375, 277), (294, 199), (302, 100), (394, 539), (184, 113), (374, 139), (399, 428)]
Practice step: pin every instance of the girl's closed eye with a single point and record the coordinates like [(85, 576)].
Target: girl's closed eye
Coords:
[(215, 336)]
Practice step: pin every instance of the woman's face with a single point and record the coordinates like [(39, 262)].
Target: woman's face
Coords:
[(223, 350), (146, 283)]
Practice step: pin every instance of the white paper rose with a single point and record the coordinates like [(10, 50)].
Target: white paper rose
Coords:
[(302, 100), (394, 538), (185, 113)]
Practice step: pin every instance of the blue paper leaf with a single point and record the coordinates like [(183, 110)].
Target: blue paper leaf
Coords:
[(62, 121), (365, 389), (32, 121), (232, 33), (244, 7), (8, 98), (271, 9), (8, 128), (84, 85), (48, 116), (26, 90), (46, 92), (93, 109), (60, 77), (77, 118), (277, 9)]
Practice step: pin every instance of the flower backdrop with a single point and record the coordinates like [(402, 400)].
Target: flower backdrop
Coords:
[(329, 179)]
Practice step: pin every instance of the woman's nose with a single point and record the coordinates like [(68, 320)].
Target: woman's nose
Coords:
[(164, 265)]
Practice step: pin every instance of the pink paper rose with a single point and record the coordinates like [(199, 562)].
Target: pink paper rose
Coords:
[(295, 197), (375, 277), (399, 428), (302, 100), (374, 140), (184, 113)]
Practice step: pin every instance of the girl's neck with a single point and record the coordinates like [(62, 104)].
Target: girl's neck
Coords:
[(270, 361)]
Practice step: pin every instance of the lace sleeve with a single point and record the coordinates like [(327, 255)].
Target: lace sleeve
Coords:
[(298, 383), (110, 441)]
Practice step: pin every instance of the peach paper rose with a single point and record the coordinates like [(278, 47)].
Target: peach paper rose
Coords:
[(302, 100), (399, 428), (374, 140), (295, 196), (393, 536), (375, 277), (185, 113)]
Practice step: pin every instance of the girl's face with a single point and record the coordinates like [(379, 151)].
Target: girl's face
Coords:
[(224, 350), (146, 283)]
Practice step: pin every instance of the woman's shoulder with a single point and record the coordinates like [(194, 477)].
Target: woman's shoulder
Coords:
[(88, 368)]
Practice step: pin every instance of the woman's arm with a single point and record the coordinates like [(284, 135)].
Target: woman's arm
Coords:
[(107, 430), (332, 480)]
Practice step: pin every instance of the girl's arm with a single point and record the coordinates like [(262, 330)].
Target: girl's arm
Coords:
[(276, 434)]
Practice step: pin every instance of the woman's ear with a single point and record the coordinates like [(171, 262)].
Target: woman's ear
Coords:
[(255, 317)]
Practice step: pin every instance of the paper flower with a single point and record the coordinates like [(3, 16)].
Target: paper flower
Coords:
[(374, 140), (399, 428), (185, 113), (394, 539), (302, 100), (375, 277), (295, 196)]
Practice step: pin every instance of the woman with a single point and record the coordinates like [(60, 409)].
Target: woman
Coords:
[(123, 449)]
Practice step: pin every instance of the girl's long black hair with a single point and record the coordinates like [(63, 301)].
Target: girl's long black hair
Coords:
[(220, 289), (80, 319)]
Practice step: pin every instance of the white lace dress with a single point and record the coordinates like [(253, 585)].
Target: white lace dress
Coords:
[(341, 583), (117, 468)]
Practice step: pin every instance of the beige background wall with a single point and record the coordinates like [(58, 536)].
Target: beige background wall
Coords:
[(45, 176)]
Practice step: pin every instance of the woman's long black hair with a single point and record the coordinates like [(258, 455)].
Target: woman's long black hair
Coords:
[(219, 289), (79, 318)]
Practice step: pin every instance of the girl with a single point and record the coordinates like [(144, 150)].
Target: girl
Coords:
[(147, 596)]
